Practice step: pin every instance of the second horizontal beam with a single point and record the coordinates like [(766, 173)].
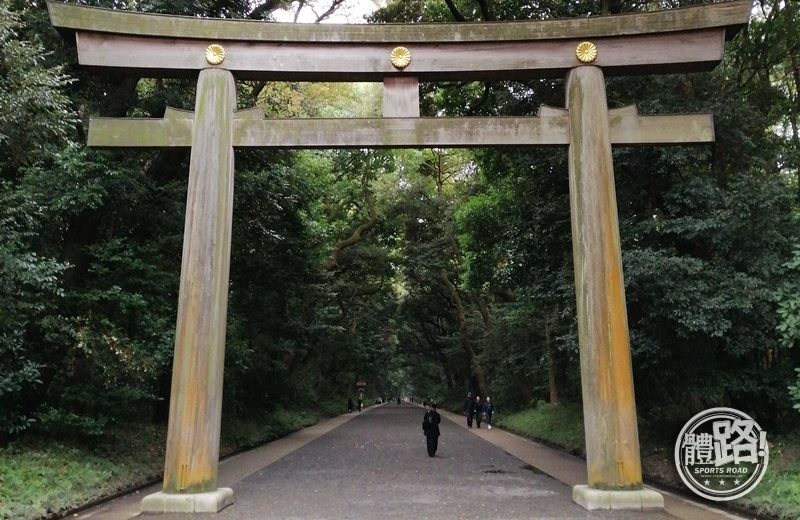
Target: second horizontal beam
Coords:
[(550, 129)]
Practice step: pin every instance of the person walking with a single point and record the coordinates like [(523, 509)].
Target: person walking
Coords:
[(430, 427), (478, 409), (488, 410), (349, 404), (469, 409)]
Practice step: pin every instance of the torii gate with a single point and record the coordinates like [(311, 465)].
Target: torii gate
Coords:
[(582, 49)]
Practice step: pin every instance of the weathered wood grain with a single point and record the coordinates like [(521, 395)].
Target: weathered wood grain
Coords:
[(609, 410), (732, 15), (626, 127), (636, 54), (139, 133), (551, 128), (401, 132), (401, 97), (196, 397)]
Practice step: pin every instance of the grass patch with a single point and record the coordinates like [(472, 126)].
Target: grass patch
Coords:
[(776, 496), (778, 493), (33, 483), (560, 426), (243, 433), (40, 478)]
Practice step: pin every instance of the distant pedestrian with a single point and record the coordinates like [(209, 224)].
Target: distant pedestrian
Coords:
[(469, 409), (488, 410), (349, 404), (398, 400), (430, 427), (478, 410), (360, 405)]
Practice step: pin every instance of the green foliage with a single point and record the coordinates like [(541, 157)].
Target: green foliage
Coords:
[(480, 220), (787, 296), (36, 483), (560, 426), (29, 290), (38, 479), (35, 119), (776, 495), (242, 433), (113, 338), (282, 99), (35, 114), (794, 391), (270, 261)]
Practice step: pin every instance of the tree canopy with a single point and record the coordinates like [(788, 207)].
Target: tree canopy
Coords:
[(421, 272)]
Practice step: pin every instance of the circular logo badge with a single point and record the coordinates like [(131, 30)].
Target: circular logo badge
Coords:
[(721, 454)]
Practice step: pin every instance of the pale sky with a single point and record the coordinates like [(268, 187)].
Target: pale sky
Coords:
[(352, 11)]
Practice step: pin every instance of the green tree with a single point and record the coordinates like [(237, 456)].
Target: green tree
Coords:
[(35, 119), (35, 113)]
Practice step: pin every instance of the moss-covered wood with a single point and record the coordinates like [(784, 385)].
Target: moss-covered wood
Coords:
[(693, 50), (196, 397), (609, 409), (678, 40), (401, 97), (732, 15), (551, 128)]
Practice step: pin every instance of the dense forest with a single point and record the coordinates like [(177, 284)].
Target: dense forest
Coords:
[(421, 272)]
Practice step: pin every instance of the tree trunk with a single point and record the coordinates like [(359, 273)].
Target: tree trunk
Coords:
[(333, 260), (477, 369), (443, 364), (552, 362), (794, 120), (483, 308)]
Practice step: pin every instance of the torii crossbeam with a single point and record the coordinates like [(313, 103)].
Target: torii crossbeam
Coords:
[(582, 49)]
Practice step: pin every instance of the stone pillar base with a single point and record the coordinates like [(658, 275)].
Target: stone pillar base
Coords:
[(638, 499), (211, 502)]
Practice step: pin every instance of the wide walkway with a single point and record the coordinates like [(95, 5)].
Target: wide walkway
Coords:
[(374, 465)]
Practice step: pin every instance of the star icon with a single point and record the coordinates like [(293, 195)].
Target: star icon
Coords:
[(736, 482), (721, 482), (706, 482)]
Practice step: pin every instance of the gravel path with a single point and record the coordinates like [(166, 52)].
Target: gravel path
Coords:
[(376, 467)]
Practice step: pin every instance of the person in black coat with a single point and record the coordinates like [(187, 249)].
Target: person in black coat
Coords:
[(430, 426), (469, 409), (477, 410)]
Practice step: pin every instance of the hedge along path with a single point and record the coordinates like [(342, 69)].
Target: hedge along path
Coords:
[(583, 50)]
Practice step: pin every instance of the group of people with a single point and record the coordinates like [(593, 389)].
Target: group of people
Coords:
[(474, 409), (477, 410), (350, 404), (379, 400)]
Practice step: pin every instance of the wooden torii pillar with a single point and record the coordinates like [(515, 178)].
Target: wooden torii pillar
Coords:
[(584, 50)]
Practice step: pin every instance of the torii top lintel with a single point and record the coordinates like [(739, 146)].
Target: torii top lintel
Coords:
[(677, 40)]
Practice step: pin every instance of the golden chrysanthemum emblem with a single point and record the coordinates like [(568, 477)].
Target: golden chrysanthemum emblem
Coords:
[(586, 52), (400, 57), (215, 53)]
